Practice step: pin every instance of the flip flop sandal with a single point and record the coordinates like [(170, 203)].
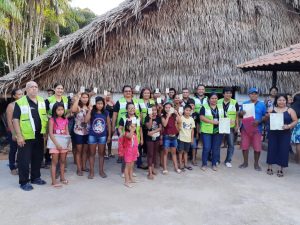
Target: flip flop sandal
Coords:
[(90, 177), (269, 171), (204, 168), (134, 181), (194, 164), (128, 185), (165, 172), (79, 173), (57, 185), (188, 167), (86, 170), (65, 181), (103, 175), (279, 173)]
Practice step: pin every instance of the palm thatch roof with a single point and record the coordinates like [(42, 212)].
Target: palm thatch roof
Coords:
[(168, 43)]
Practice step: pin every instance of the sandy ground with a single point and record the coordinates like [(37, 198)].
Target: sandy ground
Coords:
[(229, 196)]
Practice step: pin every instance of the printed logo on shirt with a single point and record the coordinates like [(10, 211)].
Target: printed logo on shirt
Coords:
[(187, 125), (98, 125)]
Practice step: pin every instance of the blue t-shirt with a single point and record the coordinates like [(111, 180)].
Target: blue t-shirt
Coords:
[(98, 124), (260, 111)]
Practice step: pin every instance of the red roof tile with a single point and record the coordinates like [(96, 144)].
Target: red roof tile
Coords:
[(284, 56)]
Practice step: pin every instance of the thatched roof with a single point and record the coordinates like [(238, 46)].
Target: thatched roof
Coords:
[(167, 43)]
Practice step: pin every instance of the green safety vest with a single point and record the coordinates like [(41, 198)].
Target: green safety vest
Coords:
[(52, 100), (198, 103), (231, 112), (26, 122), (122, 112), (208, 128), (138, 127), (144, 108)]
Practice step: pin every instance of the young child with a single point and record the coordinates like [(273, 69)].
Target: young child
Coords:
[(196, 118), (58, 124), (154, 126), (130, 116), (130, 151), (186, 136), (99, 134)]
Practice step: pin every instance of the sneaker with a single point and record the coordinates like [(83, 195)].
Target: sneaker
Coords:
[(38, 181), (26, 187), (228, 164), (134, 175), (123, 175)]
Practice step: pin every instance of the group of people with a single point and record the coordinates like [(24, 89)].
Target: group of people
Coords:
[(152, 125)]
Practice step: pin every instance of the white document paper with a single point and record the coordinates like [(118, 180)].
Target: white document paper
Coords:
[(71, 95), (105, 92), (172, 110), (180, 110), (276, 121), (167, 90), (224, 125), (180, 96), (156, 90), (137, 88), (158, 100), (63, 140), (134, 120), (93, 101), (95, 90), (249, 109), (82, 89), (149, 111)]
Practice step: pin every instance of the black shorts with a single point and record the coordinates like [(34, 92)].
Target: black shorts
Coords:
[(183, 146)]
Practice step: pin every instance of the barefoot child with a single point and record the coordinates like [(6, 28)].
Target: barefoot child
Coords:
[(99, 134), (130, 145), (154, 126), (58, 125), (186, 136)]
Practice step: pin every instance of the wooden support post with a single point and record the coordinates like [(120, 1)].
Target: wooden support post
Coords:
[(274, 79)]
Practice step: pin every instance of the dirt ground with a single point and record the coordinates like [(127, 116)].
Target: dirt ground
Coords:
[(229, 196)]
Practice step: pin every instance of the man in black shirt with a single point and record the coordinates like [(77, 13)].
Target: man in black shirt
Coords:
[(30, 122)]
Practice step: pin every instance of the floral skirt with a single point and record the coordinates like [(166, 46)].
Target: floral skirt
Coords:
[(296, 134)]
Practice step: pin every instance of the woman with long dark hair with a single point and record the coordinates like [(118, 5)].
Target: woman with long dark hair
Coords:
[(99, 134), (81, 129), (13, 146), (279, 140)]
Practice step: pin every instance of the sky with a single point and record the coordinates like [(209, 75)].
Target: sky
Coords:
[(97, 6)]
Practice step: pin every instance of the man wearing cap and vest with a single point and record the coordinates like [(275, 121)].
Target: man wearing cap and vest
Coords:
[(120, 111), (30, 123), (231, 109), (200, 98), (251, 130)]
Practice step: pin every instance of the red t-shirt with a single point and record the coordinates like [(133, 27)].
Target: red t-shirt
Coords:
[(170, 129)]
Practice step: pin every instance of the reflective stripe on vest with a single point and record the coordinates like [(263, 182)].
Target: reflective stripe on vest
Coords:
[(122, 111), (52, 100), (198, 104), (144, 108), (231, 111), (208, 128), (27, 125), (138, 127)]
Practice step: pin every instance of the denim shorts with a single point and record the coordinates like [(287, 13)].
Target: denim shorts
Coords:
[(169, 142), (195, 144), (184, 146), (80, 139), (97, 140)]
